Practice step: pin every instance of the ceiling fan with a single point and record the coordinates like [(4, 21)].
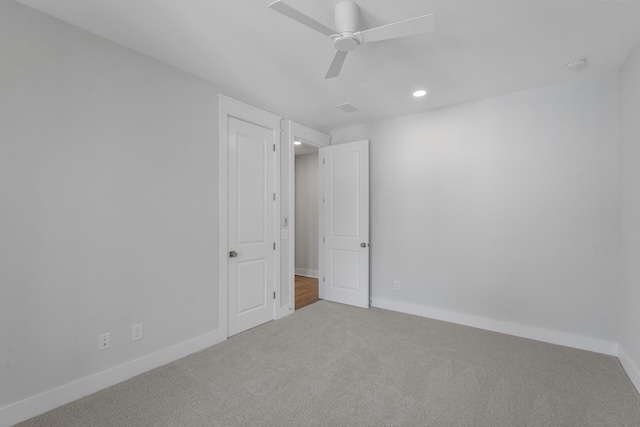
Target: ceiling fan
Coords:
[(348, 37)]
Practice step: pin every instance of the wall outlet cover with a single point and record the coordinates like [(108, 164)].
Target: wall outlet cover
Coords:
[(104, 341), (136, 332)]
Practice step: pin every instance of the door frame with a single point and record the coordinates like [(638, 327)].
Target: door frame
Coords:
[(317, 139), (229, 107)]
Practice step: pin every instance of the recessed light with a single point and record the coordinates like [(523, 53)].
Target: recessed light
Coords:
[(419, 93), (297, 142)]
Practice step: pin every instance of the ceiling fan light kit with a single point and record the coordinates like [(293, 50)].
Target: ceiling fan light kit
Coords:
[(347, 36)]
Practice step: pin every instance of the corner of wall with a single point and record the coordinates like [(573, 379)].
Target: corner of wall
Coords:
[(631, 369), (629, 298)]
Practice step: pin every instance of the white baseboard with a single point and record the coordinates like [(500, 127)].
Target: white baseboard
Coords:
[(630, 367), (307, 273), (546, 335), (41, 403)]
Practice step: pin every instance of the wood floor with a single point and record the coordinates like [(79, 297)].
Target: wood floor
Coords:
[(306, 291)]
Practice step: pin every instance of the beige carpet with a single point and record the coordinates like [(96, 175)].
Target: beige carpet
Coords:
[(334, 365)]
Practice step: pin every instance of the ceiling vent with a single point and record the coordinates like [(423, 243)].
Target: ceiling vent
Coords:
[(346, 108)]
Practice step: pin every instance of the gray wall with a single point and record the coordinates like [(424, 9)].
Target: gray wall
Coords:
[(108, 200), (505, 208), (630, 182), (306, 214)]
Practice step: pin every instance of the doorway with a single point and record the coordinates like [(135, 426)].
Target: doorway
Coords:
[(306, 222), (303, 274)]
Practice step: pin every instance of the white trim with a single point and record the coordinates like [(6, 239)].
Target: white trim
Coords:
[(229, 107), (307, 273), (321, 275), (308, 135), (631, 368), (248, 113), (540, 334), (43, 402), (283, 308), (223, 221), (316, 139), (277, 138), (290, 306)]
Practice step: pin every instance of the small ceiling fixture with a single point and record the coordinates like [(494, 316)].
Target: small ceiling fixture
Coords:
[(297, 142), (576, 65), (419, 93)]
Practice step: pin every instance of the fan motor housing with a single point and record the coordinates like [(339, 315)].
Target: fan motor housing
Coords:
[(346, 42), (347, 17)]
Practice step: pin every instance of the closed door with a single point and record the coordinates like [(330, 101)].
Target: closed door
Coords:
[(345, 186), (251, 231)]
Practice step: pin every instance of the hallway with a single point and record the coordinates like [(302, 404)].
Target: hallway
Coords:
[(306, 291)]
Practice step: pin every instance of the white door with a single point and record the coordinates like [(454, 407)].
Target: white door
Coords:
[(251, 262), (345, 184)]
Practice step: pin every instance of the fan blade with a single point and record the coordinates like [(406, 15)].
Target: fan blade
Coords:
[(410, 27), (336, 65), (290, 12)]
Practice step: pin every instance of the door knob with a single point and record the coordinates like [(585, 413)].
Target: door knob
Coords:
[(363, 245), (233, 254)]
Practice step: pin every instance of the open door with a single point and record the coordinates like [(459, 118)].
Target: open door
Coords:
[(344, 171)]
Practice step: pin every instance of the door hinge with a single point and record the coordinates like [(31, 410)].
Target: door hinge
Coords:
[(274, 197), (274, 246), (323, 161), (323, 278), (274, 147), (274, 294), (322, 239)]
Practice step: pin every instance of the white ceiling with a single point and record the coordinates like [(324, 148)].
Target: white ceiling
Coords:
[(480, 48)]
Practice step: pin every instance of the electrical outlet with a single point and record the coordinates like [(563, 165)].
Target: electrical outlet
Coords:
[(104, 341), (136, 332), (396, 285)]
